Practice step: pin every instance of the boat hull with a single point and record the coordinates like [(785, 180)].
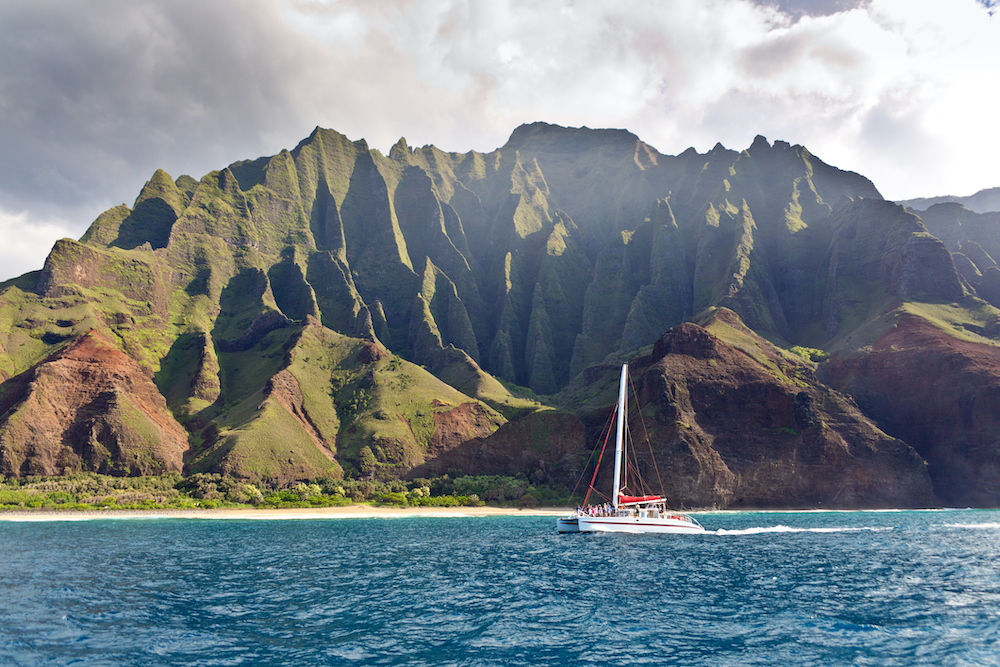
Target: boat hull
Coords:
[(568, 525), (636, 524)]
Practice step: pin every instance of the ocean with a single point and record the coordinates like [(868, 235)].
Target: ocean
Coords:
[(759, 588)]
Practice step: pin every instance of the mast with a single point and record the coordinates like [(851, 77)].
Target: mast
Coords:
[(620, 436)]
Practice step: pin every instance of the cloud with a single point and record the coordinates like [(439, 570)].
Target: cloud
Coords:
[(24, 247), (116, 84), (95, 96)]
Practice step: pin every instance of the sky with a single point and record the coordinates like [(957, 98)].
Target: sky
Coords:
[(96, 95)]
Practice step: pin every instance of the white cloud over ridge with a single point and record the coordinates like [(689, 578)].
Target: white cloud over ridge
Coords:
[(95, 97), (23, 246)]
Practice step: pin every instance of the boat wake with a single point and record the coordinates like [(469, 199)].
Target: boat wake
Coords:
[(758, 530)]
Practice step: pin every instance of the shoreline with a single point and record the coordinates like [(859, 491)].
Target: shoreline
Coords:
[(294, 513), (371, 512)]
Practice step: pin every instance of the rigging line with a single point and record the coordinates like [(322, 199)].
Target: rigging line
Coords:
[(599, 459), (607, 429), (644, 488), (646, 433), (633, 472), (641, 488), (606, 498)]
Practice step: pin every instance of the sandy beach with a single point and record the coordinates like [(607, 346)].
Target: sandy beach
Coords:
[(346, 512)]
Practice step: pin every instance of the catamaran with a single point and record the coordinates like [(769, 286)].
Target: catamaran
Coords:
[(626, 513)]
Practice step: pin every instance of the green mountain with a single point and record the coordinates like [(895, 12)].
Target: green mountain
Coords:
[(331, 310)]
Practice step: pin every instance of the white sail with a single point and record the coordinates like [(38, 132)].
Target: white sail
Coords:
[(620, 435)]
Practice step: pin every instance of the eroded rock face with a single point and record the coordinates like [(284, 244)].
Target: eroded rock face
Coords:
[(940, 394), (546, 446), (457, 431), (748, 427), (87, 407)]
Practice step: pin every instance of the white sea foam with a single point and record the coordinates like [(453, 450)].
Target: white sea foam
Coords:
[(757, 530), (976, 526)]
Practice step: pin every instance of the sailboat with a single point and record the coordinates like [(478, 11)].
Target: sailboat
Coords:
[(626, 513)]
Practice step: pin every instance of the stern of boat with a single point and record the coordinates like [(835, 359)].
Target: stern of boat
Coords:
[(568, 524)]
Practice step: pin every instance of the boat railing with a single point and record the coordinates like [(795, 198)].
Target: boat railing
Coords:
[(633, 510)]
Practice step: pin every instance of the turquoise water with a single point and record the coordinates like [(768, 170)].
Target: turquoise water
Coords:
[(829, 588)]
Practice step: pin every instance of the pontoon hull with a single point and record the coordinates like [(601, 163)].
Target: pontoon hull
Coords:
[(636, 524), (568, 525)]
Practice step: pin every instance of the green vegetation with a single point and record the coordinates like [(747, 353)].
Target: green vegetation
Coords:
[(90, 491), (972, 320), (739, 337), (810, 353)]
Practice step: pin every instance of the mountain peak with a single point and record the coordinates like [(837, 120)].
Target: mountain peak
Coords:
[(760, 143), (547, 132), (399, 150)]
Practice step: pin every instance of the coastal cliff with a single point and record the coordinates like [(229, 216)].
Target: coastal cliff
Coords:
[(330, 311), (733, 421)]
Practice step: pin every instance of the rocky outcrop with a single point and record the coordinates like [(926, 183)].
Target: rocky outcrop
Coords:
[(285, 389), (88, 407), (138, 276)]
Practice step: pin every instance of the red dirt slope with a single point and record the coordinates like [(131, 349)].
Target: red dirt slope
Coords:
[(87, 407), (940, 394)]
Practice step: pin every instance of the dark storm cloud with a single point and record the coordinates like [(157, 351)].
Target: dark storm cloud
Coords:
[(95, 96), (799, 8)]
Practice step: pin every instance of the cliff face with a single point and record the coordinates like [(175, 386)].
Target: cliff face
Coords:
[(734, 422), (939, 393), (89, 407), (974, 241)]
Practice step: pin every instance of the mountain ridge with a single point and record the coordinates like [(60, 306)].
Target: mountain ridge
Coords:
[(986, 200), (378, 312)]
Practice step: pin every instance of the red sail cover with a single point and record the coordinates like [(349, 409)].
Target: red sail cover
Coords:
[(622, 499)]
